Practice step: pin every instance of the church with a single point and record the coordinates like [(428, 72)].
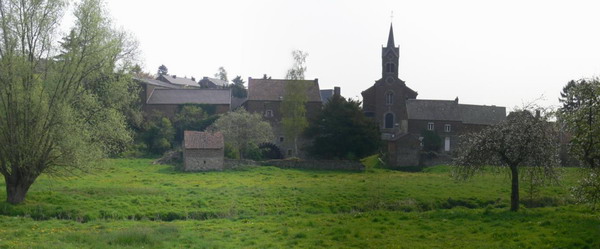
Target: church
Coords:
[(402, 118)]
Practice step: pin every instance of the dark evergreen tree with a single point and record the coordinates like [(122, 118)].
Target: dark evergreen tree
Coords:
[(237, 88), (163, 70), (341, 131)]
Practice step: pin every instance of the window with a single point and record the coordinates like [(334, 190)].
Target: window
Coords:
[(389, 98), (281, 139), (447, 128), (430, 126), (289, 152), (390, 68), (389, 121), (268, 113)]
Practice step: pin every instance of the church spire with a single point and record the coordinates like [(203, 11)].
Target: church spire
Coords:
[(391, 43)]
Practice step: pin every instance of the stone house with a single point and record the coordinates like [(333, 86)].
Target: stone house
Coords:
[(265, 97), (398, 112), (202, 151)]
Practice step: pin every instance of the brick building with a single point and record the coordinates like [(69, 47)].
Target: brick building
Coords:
[(265, 97), (402, 117)]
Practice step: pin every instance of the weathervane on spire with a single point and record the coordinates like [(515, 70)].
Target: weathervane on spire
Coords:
[(392, 17)]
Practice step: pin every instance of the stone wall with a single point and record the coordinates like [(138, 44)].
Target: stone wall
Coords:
[(202, 159)]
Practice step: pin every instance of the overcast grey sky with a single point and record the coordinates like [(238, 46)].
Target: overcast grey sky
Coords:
[(485, 52)]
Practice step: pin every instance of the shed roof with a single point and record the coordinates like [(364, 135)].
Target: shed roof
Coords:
[(274, 90), (202, 140), (190, 96)]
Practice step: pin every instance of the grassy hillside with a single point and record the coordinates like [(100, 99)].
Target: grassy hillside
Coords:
[(131, 203)]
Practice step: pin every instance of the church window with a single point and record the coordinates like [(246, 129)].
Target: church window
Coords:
[(447, 128), (430, 126), (389, 121), (389, 98), (390, 68)]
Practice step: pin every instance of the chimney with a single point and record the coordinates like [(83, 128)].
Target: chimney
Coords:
[(174, 76), (537, 114), (337, 91), (456, 99)]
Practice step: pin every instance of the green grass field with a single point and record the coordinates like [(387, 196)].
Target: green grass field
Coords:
[(130, 203)]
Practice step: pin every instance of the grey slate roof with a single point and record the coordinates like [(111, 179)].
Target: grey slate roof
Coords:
[(157, 83), (480, 114), (433, 109), (178, 80), (274, 90), (450, 110), (206, 81), (190, 96), (202, 140), (326, 94)]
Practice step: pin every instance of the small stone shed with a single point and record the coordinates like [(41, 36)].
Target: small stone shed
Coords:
[(202, 151)]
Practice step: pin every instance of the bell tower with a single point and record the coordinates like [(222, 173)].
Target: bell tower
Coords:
[(389, 58)]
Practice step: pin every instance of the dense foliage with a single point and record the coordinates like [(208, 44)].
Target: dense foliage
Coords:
[(431, 140), (523, 143), (341, 131), (580, 115), (243, 130), (61, 103)]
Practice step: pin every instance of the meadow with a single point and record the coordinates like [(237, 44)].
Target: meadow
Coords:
[(131, 203)]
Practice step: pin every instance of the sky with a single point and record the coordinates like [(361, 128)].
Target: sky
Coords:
[(505, 53)]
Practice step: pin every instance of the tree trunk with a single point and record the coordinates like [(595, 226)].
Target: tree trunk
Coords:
[(16, 189), (514, 195)]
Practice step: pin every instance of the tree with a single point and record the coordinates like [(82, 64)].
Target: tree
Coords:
[(242, 129), (59, 113), (222, 74), (523, 143), (237, 88), (293, 106), (341, 130), (580, 114), (431, 140), (163, 70), (158, 134)]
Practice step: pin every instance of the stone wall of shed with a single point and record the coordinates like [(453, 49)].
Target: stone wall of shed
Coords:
[(203, 159)]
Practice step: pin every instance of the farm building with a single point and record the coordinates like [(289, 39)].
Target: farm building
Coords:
[(202, 151)]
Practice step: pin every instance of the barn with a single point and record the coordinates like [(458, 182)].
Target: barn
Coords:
[(202, 151)]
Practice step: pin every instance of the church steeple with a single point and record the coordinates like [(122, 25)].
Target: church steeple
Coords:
[(391, 43), (389, 58)]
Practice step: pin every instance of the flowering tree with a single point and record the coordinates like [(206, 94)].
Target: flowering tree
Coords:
[(523, 143)]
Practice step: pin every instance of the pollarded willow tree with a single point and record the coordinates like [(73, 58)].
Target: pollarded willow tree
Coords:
[(60, 106), (524, 144)]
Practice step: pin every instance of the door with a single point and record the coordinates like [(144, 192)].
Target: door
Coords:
[(447, 144)]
